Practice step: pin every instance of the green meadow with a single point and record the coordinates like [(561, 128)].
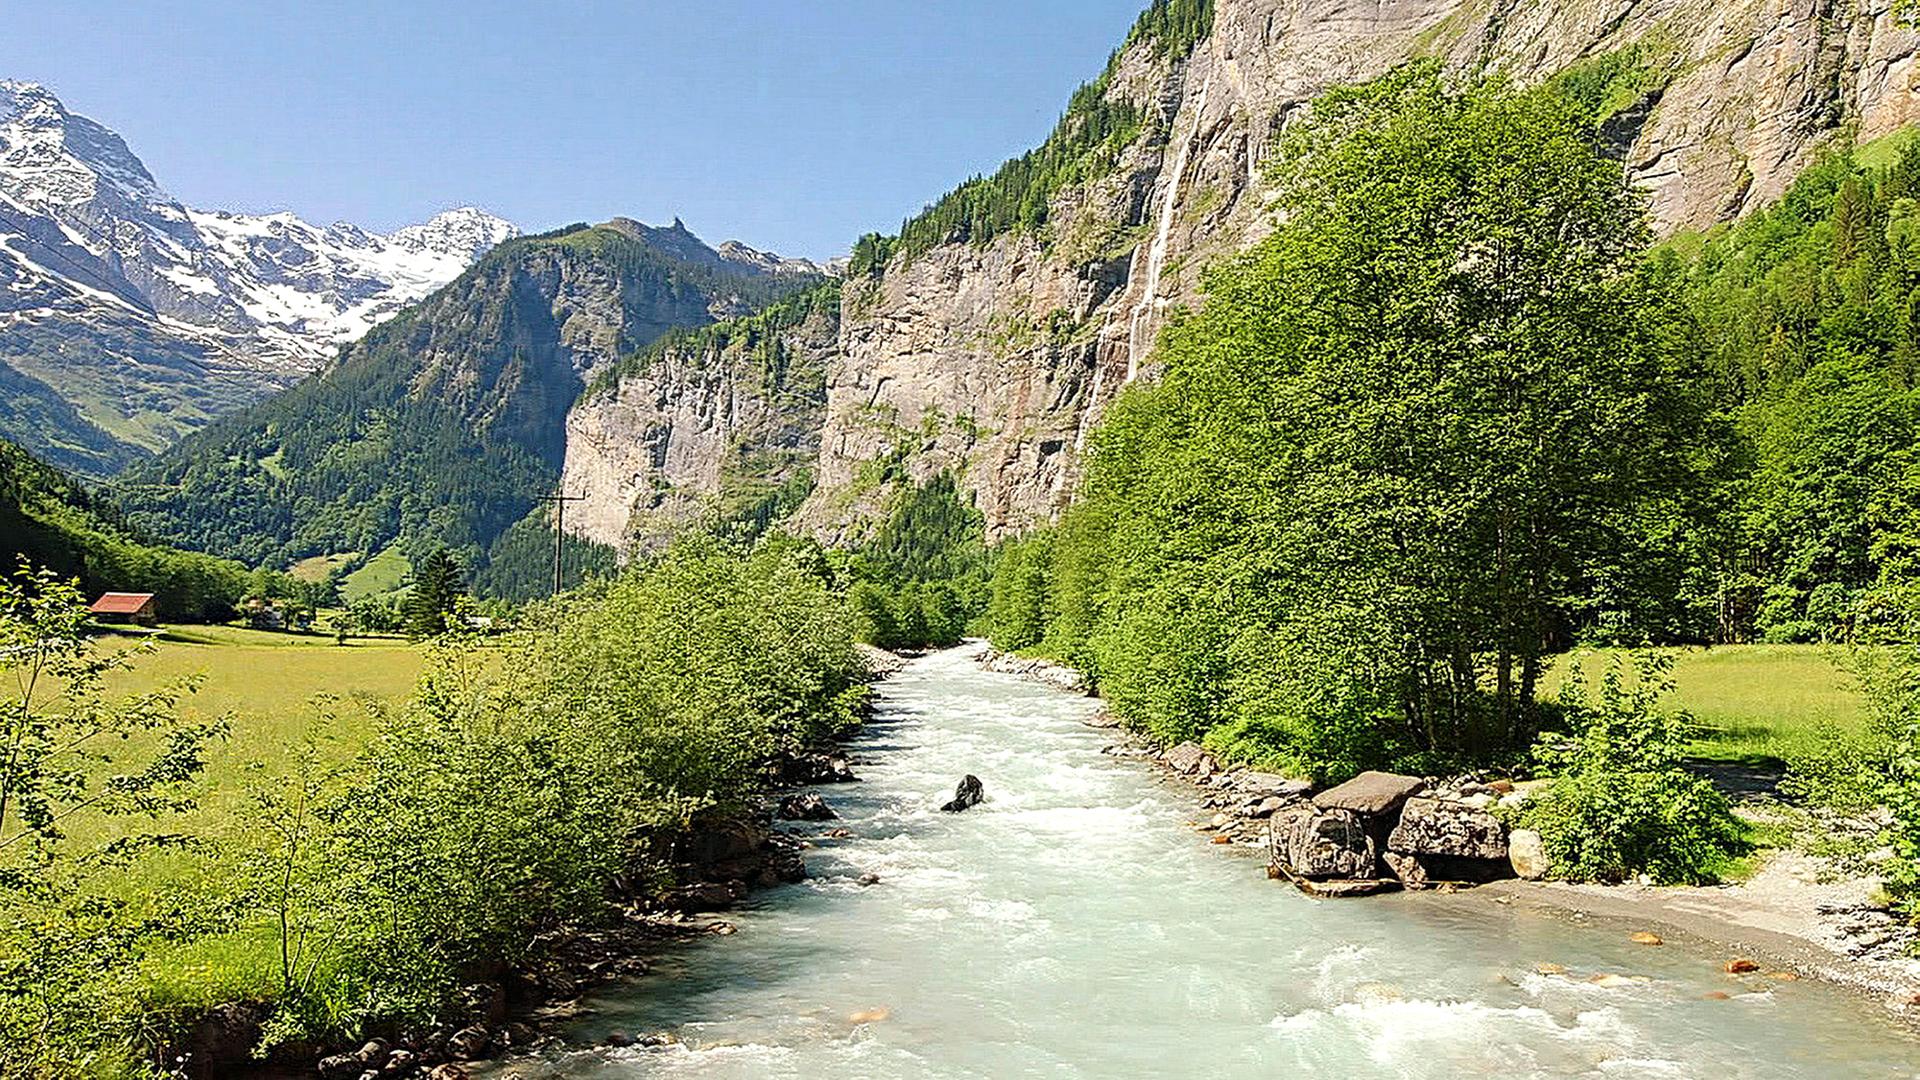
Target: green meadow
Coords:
[(1748, 701)]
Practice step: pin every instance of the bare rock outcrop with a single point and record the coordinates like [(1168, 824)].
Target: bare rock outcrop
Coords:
[(996, 361), (1439, 827), (704, 427)]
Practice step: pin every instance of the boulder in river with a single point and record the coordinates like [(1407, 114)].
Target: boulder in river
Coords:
[(1322, 844), (805, 806), (968, 794), (1262, 807), (1371, 793), (702, 896), (820, 766)]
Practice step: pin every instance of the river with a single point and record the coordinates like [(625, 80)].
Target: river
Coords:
[(1075, 925)]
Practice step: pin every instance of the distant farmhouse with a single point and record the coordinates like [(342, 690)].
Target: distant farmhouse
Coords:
[(264, 614), (126, 607)]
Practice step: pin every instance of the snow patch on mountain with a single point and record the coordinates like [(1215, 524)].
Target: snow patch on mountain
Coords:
[(83, 223)]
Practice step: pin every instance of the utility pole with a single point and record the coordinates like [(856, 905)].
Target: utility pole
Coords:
[(559, 499)]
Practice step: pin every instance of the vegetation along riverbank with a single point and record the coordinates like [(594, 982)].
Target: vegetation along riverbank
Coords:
[(1464, 531), (534, 798), (1791, 912), (1450, 524)]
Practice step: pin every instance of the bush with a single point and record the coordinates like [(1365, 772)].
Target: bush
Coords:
[(1891, 677), (80, 760), (873, 620), (1829, 608), (1622, 805), (508, 798), (1844, 770), (1611, 826)]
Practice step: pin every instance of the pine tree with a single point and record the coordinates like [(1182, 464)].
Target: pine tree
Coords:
[(437, 587)]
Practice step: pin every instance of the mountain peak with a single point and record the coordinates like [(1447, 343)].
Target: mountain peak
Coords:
[(465, 231), (766, 262), (50, 156), (90, 239)]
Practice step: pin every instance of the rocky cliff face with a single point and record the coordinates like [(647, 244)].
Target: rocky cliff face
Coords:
[(995, 362), (714, 424)]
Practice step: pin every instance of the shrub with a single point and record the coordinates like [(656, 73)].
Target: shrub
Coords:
[(873, 620), (1621, 804), (1610, 826), (80, 761), (1829, 607), (1891, 678)]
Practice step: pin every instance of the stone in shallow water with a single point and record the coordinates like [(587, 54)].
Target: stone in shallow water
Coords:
[(1189, 759), (968, 794), (806, 806)]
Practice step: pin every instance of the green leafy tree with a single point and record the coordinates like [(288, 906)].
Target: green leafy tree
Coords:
[(1621, 804), (873, 617), (1422, 436), (1019, 608), (926, 564)]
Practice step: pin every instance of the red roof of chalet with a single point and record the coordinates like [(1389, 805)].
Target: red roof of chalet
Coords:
[(122, 603)]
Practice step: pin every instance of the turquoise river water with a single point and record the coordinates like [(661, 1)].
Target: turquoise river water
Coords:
[(1074, 925)]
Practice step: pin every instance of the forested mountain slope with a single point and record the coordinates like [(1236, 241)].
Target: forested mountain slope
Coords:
[(443, 425), (50, 520)]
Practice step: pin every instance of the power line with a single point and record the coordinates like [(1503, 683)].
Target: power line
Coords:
[(559, 499)]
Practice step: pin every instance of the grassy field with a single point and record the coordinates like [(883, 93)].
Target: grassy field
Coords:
[(320, 567), (1750, 701), (382, 574), (267, 684)]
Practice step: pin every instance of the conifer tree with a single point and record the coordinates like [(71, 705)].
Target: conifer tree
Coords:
[(437, 588)]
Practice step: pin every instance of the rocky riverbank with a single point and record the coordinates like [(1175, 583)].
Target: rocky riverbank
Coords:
[(1798, 916)]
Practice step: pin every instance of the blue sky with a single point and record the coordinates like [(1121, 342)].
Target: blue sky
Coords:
[(793, 126)]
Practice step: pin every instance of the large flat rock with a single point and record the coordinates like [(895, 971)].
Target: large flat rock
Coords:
[(1371, 793)]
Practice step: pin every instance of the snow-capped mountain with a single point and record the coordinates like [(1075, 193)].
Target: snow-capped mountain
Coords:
[(146, 317), (314, 288)]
